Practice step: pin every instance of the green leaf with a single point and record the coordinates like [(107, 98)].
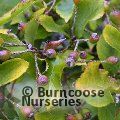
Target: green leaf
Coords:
[(31, 31), (112, 37), (87, 10), (54, 72), (18, 9), (48, 23), (11, 38), (11, 70), (29, 57), (95, 79), (65, 9), (6, 5), (104, 51), (108, 112)]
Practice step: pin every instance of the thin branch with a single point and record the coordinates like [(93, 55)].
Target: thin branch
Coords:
[(76, 46), (53, 3)]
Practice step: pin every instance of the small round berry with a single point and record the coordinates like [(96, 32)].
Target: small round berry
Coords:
[(34, 8), (74, 38), (21, 26), (70, 62), (23, 1), (112, 60), (42, 80), (106, 5), (70, 117), (115, 17), (94, 38), (27, 15), (76, 2), (86, 113), (27, 111), (50, 53), (4, 55), (74, 55), (83, 54)]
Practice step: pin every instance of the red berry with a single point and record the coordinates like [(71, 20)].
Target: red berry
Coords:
[(74, 38), (42, 80), (94, 38), (71, 117), (50, 53), (112, 60), (76, 2), (4, 55), (83, 54), (53, 44), (115, 17), (21, 26)]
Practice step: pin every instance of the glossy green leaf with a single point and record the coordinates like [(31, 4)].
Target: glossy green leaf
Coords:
[(108, 112), (104, 51), (12, 69), (11, 38), (48, 23), (95, 79), (65, 9), (87, 10), (18, 9), (31, 31), (112, 36)]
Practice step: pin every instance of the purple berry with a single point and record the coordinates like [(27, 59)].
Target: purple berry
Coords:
[(112, 60), (115, 17), (94, 38), (42, 80), (23, 1), (74, 38), (27, 15), (4, 55), (70, 62), (27, 111), (50, 53), (83, 54), (74, 55)]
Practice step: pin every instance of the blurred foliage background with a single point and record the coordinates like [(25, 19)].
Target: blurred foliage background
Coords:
[(6, 5)]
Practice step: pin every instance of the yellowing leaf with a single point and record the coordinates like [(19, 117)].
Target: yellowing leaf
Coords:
[(12, 69), (95, 79), (112, 37)]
